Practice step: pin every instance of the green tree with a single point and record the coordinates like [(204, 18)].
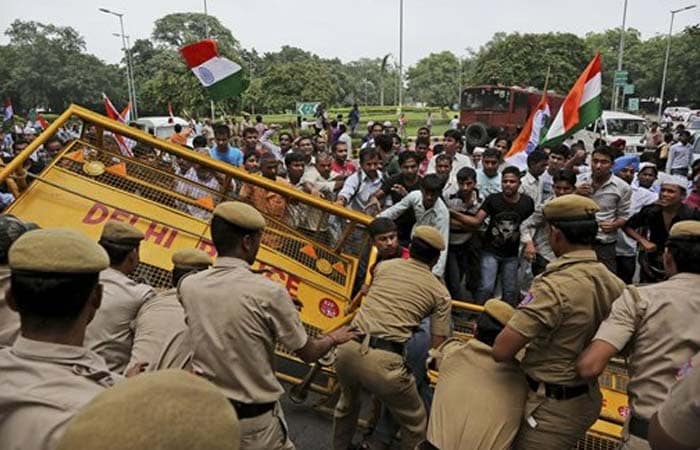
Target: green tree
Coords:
[(179, 29), (523, 59), (47, 67), (435, 79)]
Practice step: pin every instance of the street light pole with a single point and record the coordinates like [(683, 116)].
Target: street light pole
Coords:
[(620, 52), (668, 52), (206, 31), (400, 56), (129, 70), (129, 79)]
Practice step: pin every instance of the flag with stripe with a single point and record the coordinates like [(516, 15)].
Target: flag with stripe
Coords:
[(582, 105), (125, 144), (222, 77), (530, 136)]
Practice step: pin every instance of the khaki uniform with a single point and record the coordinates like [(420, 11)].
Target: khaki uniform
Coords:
[(9, 320), (478, 402), (403, 292), (157, 322), (177, 352), (680, 414), (236, 318), (111, 332), (43, 385), (659, 330), (559, 317)]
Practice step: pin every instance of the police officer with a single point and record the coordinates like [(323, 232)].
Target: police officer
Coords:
[(402, 293), (478, 402), (111, 334), (11, 228), (192, 414), (675, 425), (162, 319), (47, 374), (237, 317), (658, 324), (557, 319)]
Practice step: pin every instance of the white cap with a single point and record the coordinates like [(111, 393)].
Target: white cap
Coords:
[(677, 180), (387, 123), (479, 150)]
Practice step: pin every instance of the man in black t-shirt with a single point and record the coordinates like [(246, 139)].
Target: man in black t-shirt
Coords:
[(506, 210), (396, 187)]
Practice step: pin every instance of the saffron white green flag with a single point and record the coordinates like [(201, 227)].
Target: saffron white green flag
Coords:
[(222, 77), (581, 106)]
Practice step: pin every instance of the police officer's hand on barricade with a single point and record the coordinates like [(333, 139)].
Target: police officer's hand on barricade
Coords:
[(343, 334)]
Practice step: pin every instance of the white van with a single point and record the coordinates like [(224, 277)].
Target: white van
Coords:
[(613, 125), (161, 126)]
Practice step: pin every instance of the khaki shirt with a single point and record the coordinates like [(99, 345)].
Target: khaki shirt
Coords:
[(42, 386), (680, 414), (470, 376), (177, 352), (403, 292), (660, 332), (157, 322), (562, 312), (9, 320), (236, 319), (111, 332)]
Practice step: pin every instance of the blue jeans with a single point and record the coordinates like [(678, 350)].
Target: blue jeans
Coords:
[(416, 354), (491, 267)]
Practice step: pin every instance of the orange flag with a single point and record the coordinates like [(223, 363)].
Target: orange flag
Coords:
[(117, 169), (309, 251), (206, 202), (76, 156)]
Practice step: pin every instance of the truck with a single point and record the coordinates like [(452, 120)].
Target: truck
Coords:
[(489, 110), (90, 181)]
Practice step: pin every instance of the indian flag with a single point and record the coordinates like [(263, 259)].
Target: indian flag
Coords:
[(530, 135), (222, 77), (581, 106)]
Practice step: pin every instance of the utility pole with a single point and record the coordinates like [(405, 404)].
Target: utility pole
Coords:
[(206, 33), (668, 52), (620, 53), (129, 68), (400, 56)]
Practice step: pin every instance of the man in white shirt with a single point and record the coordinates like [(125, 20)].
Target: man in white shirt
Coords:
[(488, 178), (531, 183), (359, 187), (452, 145), (429, 209), (679, 156)]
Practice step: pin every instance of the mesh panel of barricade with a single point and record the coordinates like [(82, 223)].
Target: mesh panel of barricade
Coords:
[(195, 189), (595, 441)]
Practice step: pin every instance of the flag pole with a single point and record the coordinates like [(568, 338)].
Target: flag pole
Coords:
[(546, 79)]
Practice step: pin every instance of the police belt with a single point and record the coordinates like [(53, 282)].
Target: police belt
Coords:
[(248, 410), (558, 391), (383, 344), (639, 427)]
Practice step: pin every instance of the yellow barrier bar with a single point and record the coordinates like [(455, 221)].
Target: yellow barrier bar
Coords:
[(19, 160), (467, 306)]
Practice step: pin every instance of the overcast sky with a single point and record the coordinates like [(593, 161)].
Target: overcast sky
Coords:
[(352, 29)]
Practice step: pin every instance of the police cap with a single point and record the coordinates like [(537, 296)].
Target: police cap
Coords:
[(190, 413), (499, 310), (57, 250), (191, 258), (429, 235), (686, 230), (240, 214), (570, 207), (120, 233)]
